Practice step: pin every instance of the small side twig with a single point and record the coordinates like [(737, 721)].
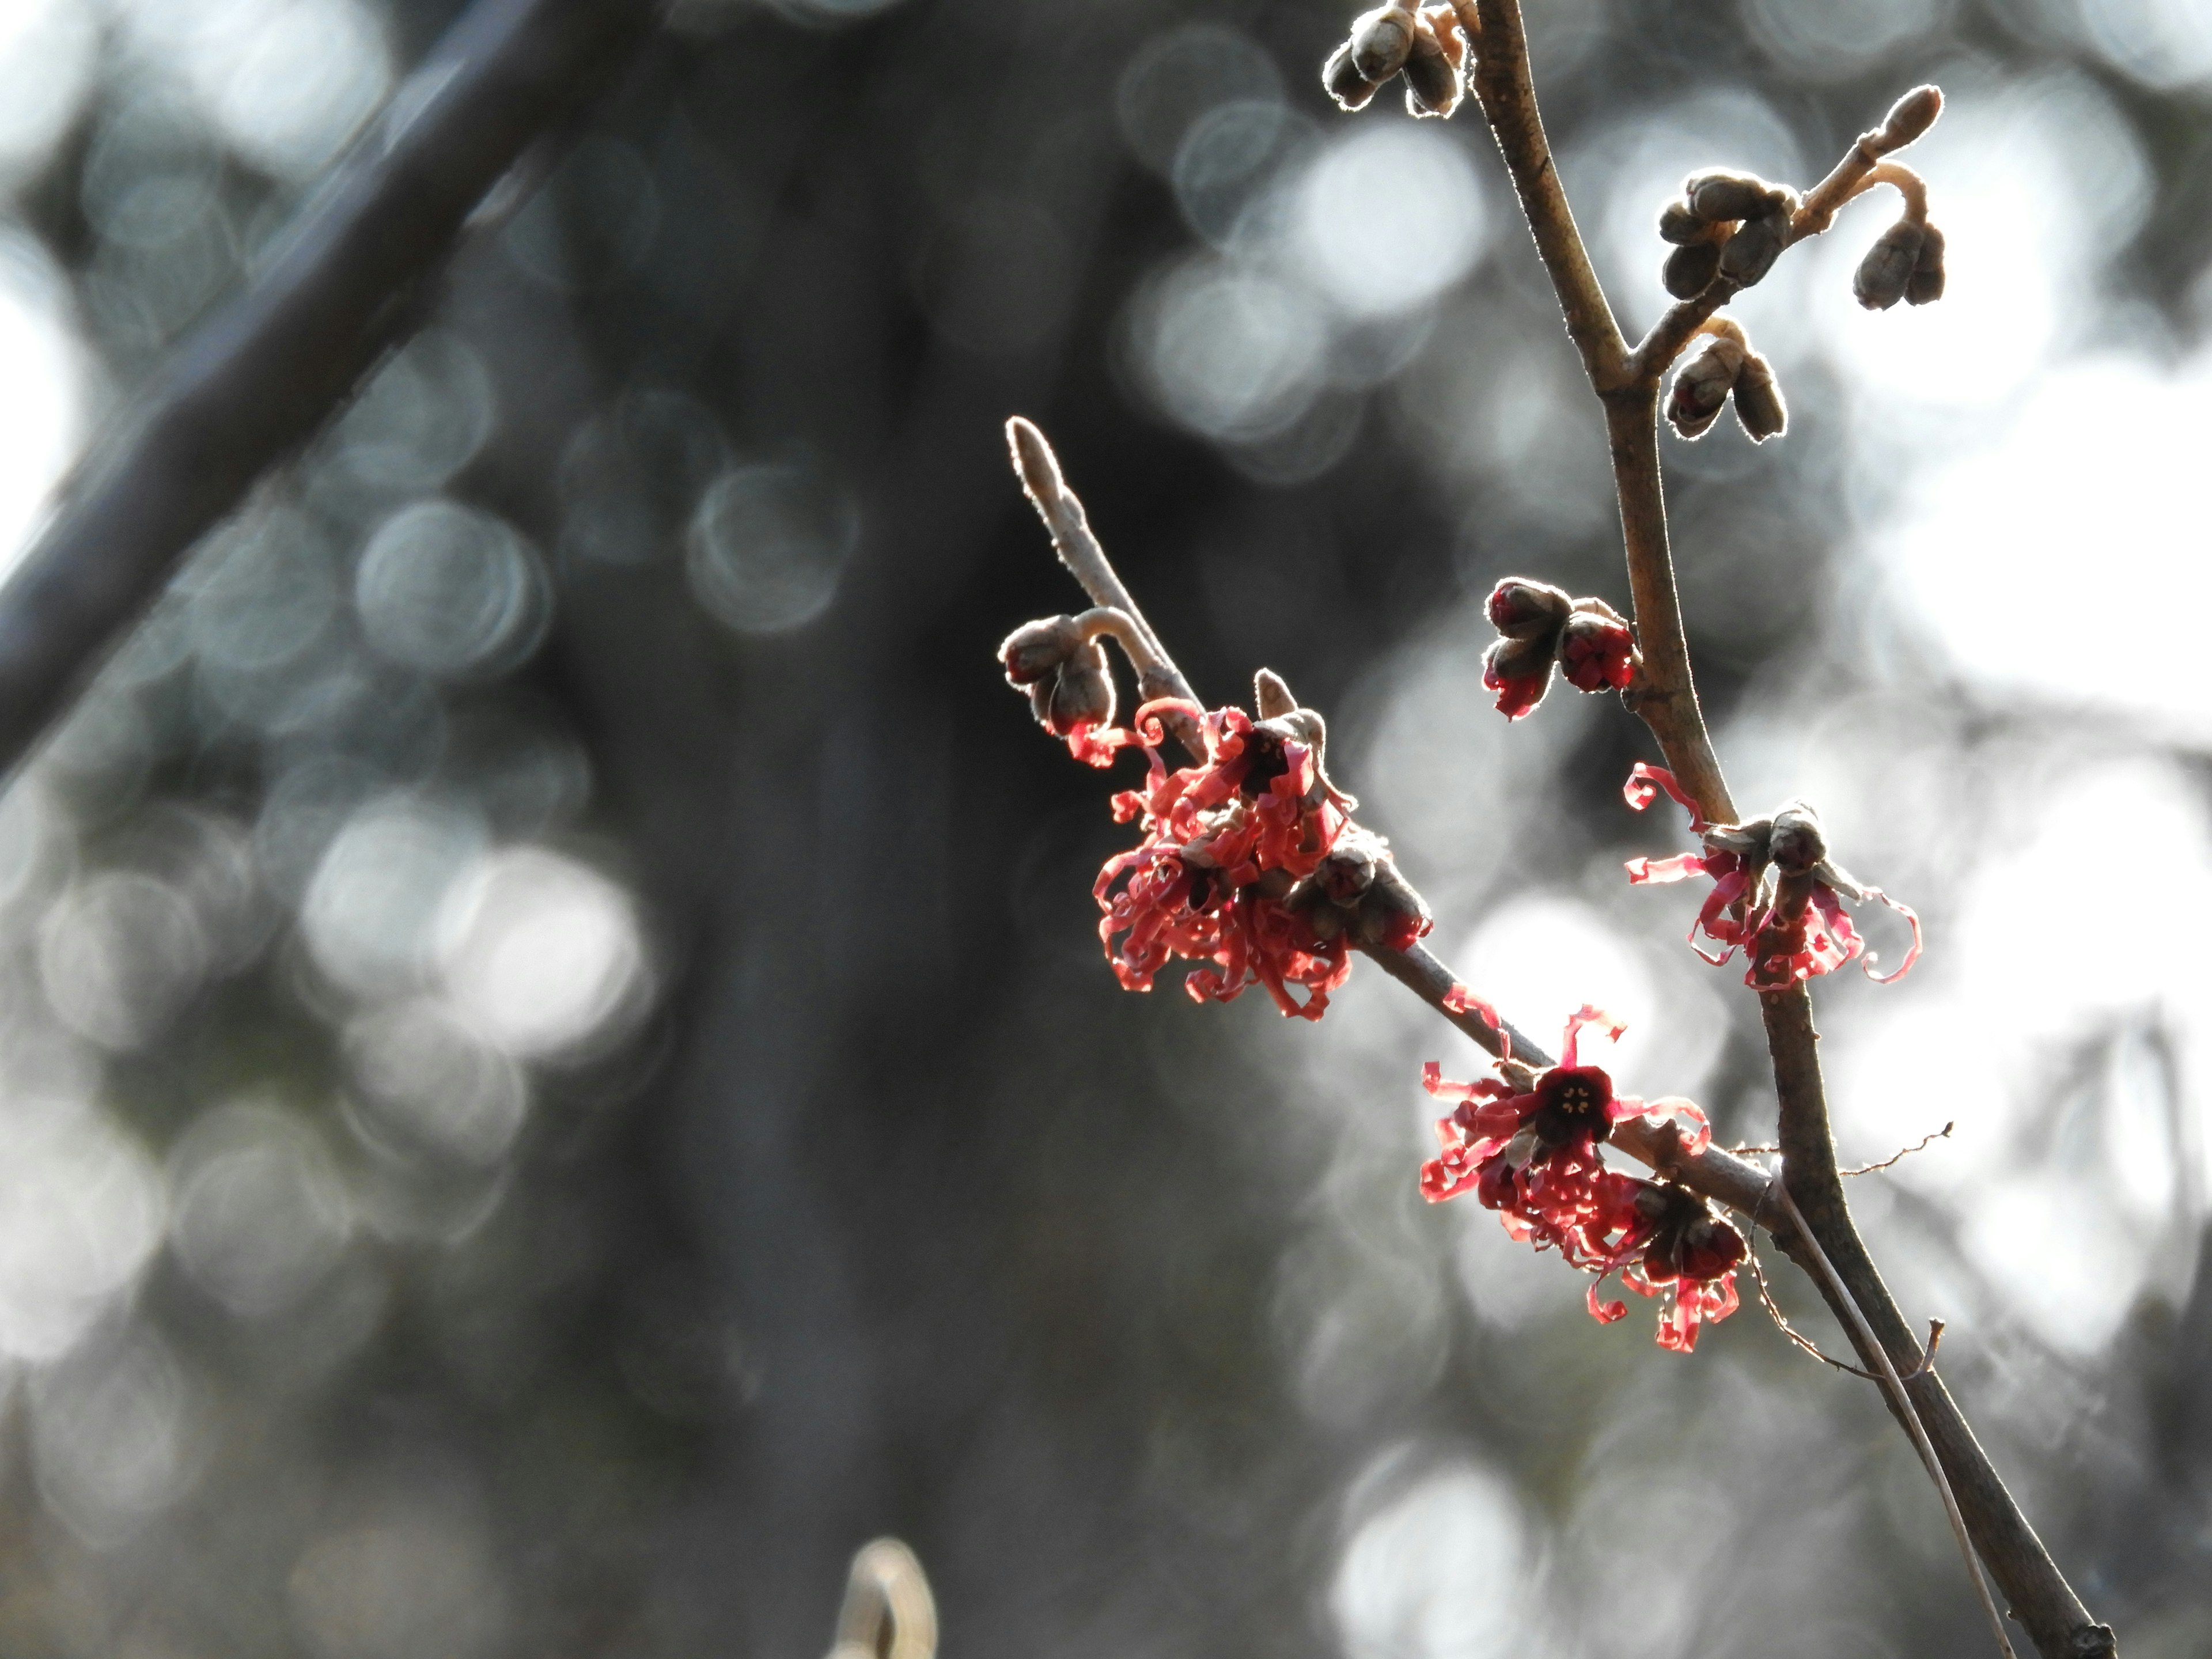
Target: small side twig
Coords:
[(1902, 1153), (1781, 1321)]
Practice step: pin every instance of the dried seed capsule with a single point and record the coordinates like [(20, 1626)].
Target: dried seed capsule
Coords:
[(1689, 270), (1380, 39), (1341, 76), (1880, 280), (1760, 410), (1927, 285), (1701, 386), (1432, 82), (1679, 225), (1036, 649), (1717, 197), (1750, 252)]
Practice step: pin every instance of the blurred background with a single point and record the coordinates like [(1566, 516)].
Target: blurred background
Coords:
[(555, 1074)]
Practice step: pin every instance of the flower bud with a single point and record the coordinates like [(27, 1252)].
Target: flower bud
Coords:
[(1690, 270), (1710, 1247), (1346, 84), (1519, 672), (1679, 224), (1750, 252), (1908, 118), (1927, 285), (1717, 197), (1795, 843), (1701, 386), (1432, 79), (1521, 609), (1037, 649), (1391, 913), (1760, 410), (1880, 280), (1081, 693), (1596, 652), (1381, 41)]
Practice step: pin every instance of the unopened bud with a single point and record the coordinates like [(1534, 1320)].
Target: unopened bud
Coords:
[(1701, 386), (1349, 869), (1520, 672), (1035, 649), (1272, 698), (1521, 609), (1596, 651), (1341, 76), (1381, 41), (1908, 118), (1927, 285), (1717, 197), (1750, 252), (1432, 79), (1080, 694), (1882, 276), (1679, 224), (1795, 843), (1689, 270), (1391, 913), (1711, 1246), (1760, 410)]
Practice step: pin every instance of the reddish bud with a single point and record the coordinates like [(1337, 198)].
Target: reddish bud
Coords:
[(1598, 653), (1518, 674), (1381, 40), (1882, 276), (1080, 693), (1927, 285), (1710, 1247), (1521, 609), (1758, 406), (1701, 386)]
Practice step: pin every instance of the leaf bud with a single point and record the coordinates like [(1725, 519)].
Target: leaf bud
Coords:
[(1689, 270), (1881, 278), (1717, 197), (1679, 224), (1038, 648), (1760, 410), (1908, 118), (1750, 252), (1432, 78), (1927, 285), (1521, 609), (1701, 386), (1381, 41), (1346, 84)]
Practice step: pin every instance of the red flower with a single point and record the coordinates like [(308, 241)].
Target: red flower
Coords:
[(1775, 893), (1224, 844), (1527, 1142), (1598, 653)]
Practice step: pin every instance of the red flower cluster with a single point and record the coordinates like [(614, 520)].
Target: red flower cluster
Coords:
[(1250, 863), (1541, 625), (1775, 893), (1526, 1143)]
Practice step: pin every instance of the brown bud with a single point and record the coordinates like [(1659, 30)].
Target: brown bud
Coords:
[(1341, 76), (1522, 610), (1795, 844), (1690, 270), (1271, 696), (1908, 118), (1880, 280), (1701, 386), (1679, 224), (1432, 79), (1381, 41), (1760, 410), (1081, 693), (1517, 660), (1927, 285), (1391, 913), (1717, 197), (1750, 252), (1036, 649)]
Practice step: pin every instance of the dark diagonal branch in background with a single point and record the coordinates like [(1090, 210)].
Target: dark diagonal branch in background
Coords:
[(1665, 696), (252, 385)]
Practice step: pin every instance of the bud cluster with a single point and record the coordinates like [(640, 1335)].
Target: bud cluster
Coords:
[(1587, 638), (1356, 893), (1727, 368), (1905, 263), (1424, 44), (1732, 226), (1070, 690)]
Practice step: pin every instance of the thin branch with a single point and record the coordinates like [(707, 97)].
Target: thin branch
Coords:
[(1912, 1419), (252, 385), (1902, 1152)]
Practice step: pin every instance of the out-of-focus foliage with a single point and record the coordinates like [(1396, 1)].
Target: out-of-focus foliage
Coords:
[(557, 1074)]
